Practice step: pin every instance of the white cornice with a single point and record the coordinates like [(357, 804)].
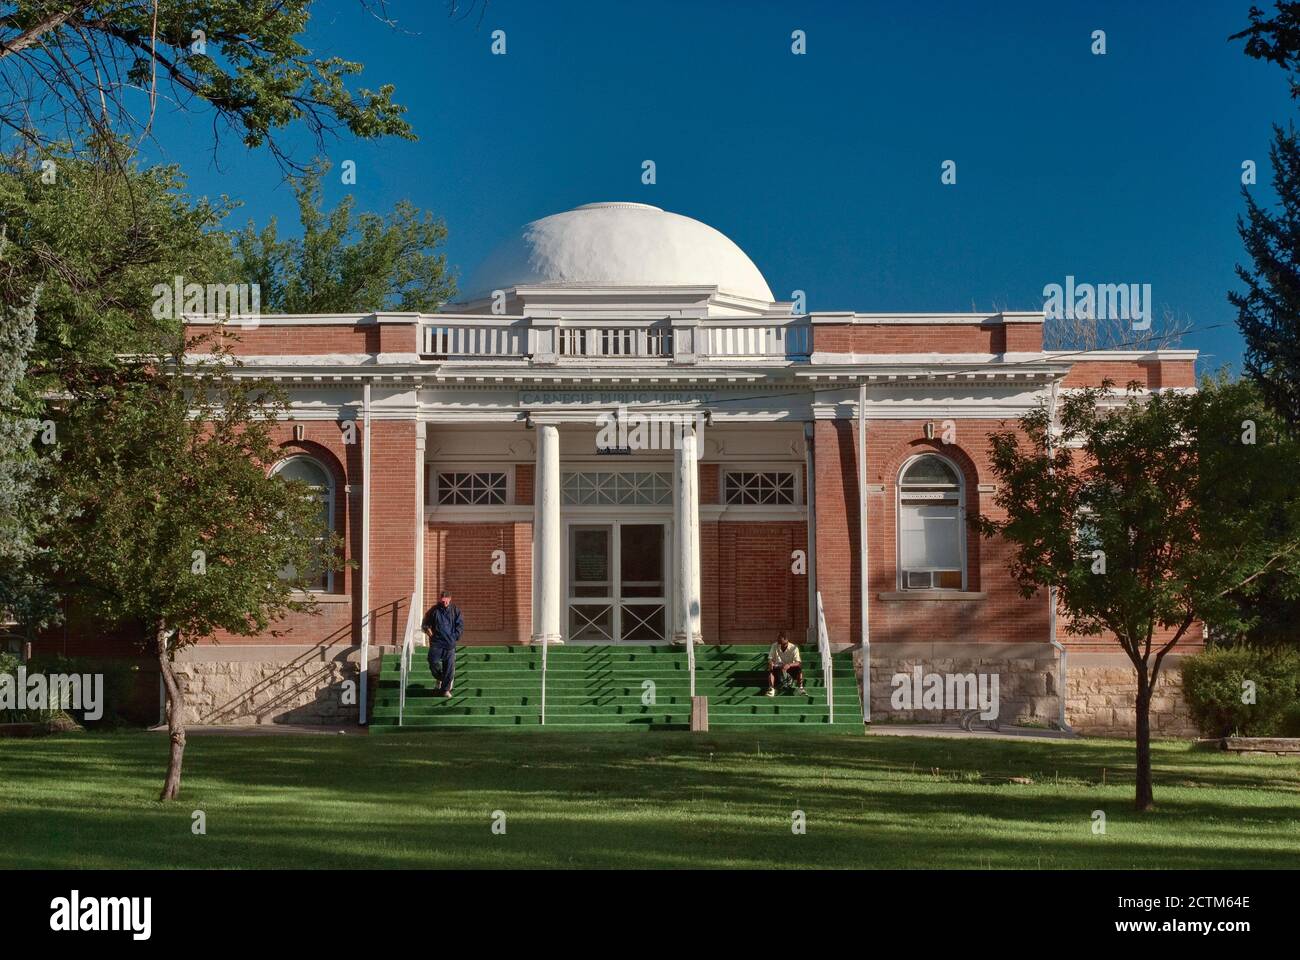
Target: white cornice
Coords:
[(906, 319), (1096, 356), (302, 319), (927, 359)]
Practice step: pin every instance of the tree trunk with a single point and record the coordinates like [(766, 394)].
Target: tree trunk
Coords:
[(1145, 799), (175, 719)]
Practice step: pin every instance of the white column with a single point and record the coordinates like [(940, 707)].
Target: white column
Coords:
[(364, 680), (546, 537), (421, 433), (686, 523)]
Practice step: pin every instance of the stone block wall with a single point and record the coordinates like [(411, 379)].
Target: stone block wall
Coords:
[(1102, 689), (1027, 688), (271, 685), (1100, 694)]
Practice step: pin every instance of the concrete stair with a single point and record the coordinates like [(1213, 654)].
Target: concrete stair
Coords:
[(606, 687)]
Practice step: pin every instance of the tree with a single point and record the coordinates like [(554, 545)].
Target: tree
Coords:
[(180, 527), (79, 255), (1268, 310), (346, 264), (1148, 515), (78, 64), (95, 240), (27, 507)]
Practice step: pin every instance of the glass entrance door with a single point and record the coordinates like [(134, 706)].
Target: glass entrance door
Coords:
[(616, 583)]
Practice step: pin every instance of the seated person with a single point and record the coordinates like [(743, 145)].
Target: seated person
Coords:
[(783, 661)]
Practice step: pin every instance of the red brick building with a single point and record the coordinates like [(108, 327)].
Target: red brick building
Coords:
[(621, 436)]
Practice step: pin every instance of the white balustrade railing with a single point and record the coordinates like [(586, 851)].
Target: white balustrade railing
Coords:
[(774, 341), (553, 340), (627, 342), (408, 651), (506, 340)]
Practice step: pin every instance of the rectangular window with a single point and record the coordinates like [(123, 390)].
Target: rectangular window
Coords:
[(617, 489), (759, 488), (477, 489)]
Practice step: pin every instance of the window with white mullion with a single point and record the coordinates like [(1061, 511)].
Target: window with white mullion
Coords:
[(590, 488), (472, 488), (931, 533), (759, 488), (317, 479)]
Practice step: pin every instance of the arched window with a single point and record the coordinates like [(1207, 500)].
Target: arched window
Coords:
[(314, 474), (931, 527)]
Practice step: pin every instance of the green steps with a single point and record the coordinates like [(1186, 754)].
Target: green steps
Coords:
[(603, 688)]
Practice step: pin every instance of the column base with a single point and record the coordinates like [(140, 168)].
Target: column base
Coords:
[(551, 640), (679, 639)]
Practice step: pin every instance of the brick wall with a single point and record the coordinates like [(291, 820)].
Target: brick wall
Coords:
[(304, 339), (747, 578), (524, 474), (335, 621), (392, 527), (497, 607), (999, 615), (1152, 374), (836, 492), (928, 338)]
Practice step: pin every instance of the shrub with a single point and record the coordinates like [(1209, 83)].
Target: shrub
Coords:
[(9, 664), (119, 682), (1215, 684)]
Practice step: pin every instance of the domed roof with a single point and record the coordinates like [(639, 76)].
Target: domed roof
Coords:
[(619, 244)]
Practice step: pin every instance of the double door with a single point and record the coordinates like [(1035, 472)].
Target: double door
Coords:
[(617, 582)]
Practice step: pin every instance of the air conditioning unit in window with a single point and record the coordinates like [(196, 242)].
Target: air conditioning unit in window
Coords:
[(918, 579)]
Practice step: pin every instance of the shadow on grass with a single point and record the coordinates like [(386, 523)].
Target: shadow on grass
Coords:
[(637, 800)]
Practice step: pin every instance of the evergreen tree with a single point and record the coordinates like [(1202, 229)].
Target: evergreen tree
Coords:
[(1268, 310), (26, 507)]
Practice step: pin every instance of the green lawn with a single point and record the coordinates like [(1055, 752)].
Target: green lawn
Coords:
[(636, 800)]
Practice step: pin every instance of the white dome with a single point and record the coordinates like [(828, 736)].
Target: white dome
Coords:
[(619, 244)]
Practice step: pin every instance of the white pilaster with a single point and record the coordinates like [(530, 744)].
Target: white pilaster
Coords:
[(364, 681), (421, 433), (686, 521), (547, 533)]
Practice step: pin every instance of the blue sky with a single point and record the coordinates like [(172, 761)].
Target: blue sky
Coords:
[(825, 168)]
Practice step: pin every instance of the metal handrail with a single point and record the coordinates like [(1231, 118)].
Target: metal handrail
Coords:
[(824, 649), (408, 651), (545, 644)]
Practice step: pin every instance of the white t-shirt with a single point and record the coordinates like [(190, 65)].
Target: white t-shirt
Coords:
[(788, 656)]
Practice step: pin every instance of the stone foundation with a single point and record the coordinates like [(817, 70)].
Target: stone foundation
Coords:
[(1027, 689), (1102, 691), (1101, 687), (271, 684), (290, 684)]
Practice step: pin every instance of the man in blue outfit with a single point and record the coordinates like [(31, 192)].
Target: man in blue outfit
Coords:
[(443, 626)]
